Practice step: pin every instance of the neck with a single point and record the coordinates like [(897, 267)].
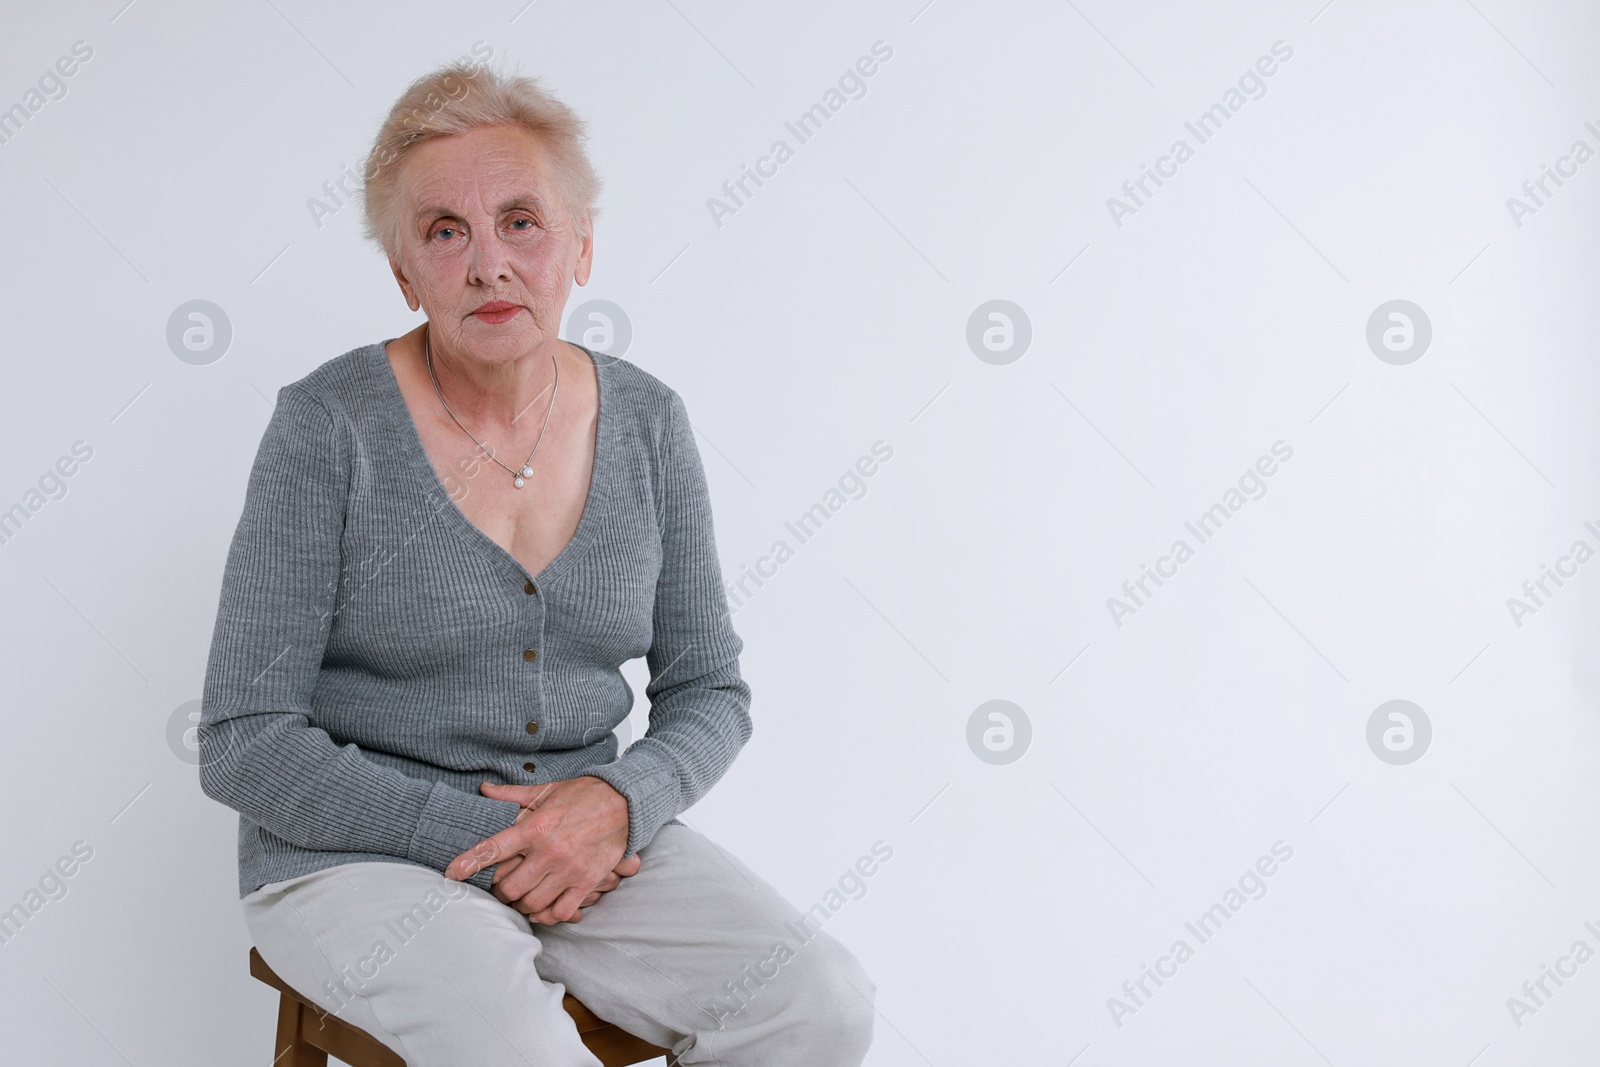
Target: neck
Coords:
[(489, 395)]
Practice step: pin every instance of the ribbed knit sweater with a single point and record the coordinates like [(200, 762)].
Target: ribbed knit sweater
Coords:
[(376, 656)]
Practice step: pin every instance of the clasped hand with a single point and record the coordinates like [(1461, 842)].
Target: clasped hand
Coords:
[(561, 854)]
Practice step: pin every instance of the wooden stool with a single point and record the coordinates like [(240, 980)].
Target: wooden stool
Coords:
[(306, 1036)]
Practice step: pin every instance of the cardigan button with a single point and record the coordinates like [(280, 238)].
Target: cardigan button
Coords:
[(533, 727), (527, 587), (528, 767), (529, 654)]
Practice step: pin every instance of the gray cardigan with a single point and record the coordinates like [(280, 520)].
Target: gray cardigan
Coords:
[(376, 656)]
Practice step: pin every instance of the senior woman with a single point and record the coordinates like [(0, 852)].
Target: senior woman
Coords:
[(450, 542)]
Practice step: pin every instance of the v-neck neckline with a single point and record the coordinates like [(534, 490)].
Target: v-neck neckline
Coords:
[(595, 502)]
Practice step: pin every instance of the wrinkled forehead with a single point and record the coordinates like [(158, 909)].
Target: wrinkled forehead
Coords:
[(482, 171)]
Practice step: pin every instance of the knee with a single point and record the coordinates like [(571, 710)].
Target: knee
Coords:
[(837, 996)]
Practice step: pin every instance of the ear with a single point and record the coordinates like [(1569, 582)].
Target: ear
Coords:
[(581, 269), (405, 286)]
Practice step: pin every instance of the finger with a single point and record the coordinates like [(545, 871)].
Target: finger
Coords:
[(505, 867), (533, 878), (486, 853), (497, 884), (547, 917), (628, 867), (542, 901), (528, 796), (550, 904), (504, 792), (470, 862), (566, 905), (592, 898), (556, 910), (577, 916)]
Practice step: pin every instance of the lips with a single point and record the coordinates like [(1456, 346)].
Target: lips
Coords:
[(495, 307)]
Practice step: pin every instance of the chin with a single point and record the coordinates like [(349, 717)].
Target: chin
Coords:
[(502, 342)]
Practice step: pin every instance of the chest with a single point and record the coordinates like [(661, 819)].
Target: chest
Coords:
[(533, 523)]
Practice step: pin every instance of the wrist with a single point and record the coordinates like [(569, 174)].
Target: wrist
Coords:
[(616, 803), (615, 797)]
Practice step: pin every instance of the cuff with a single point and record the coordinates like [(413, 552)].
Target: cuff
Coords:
[(650, 784), (452, 822)]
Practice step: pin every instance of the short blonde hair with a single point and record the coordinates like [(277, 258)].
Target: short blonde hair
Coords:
[(464, 96)]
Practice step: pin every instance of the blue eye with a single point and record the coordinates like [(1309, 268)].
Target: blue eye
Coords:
[(444, 229)]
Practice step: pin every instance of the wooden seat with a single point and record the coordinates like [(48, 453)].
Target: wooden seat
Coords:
[(307, 1036)]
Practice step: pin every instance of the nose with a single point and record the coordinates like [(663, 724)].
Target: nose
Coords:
[(490, 260)]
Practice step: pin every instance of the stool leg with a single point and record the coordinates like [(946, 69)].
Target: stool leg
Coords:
[(292, 1049)]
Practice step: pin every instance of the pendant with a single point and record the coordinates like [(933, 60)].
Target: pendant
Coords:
[(517, 482), (527, 472)]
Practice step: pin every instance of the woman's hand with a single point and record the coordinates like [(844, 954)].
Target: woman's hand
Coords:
[(569, 838), (627, 868)]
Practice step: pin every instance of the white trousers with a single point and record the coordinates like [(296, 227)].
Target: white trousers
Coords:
[(695, 953)]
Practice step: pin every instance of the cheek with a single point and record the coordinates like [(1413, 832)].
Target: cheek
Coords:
[(546, 266), (431, 267), (431, 287)]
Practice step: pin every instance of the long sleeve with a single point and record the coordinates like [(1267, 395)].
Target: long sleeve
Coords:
[(260, 752), (699, 703)]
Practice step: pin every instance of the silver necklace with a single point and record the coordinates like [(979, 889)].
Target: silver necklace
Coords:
[(517, 477)]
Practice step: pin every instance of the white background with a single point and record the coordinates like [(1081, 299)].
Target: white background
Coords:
[(831, 311)]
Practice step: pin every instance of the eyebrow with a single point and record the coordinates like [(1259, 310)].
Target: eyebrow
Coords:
[(524, 201)]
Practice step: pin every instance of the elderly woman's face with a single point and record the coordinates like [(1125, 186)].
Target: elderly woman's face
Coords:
[(485, 224)]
